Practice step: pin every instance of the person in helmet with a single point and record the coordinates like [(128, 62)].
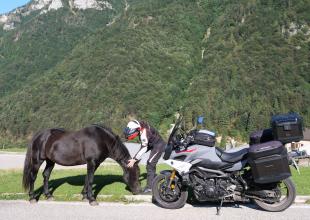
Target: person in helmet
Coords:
[(150, 141)]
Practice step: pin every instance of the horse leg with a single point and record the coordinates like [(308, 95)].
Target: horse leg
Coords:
[(46, 175), (91, 167), (34, 172), (84, 191)]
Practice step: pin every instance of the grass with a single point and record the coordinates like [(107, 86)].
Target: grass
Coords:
[(13, 149), (302, 181), (67, 184)]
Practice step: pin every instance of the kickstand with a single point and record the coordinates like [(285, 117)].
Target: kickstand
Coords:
[(218, 208)]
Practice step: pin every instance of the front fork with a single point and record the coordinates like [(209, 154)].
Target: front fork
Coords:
[(172, 177)]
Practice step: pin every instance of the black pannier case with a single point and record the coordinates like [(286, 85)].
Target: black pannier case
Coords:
[(269, 162), (203, 137), (287, 128), (261, 136)]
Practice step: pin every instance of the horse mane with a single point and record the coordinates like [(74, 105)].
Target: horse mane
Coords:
[(118, 150), (58, 129), (106, 129)]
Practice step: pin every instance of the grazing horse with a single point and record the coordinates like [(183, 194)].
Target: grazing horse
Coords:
[(90, 145)]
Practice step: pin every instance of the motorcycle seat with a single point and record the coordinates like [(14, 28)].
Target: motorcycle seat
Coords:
[(214, 165), (231, 157)]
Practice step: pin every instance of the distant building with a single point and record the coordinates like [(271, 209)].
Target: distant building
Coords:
[(303, 145)]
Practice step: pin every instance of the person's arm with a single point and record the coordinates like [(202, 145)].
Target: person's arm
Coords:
[(144, 143), (143, 137), (143, 149)]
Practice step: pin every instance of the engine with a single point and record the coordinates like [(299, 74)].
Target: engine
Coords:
[(210, 189)]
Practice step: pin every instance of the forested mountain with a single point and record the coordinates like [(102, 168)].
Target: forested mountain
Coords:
[(34, 38), (236, 62)]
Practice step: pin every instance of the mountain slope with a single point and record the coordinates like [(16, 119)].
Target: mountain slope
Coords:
[(41, 38), (116, 74), (256, 63), (236, 62)]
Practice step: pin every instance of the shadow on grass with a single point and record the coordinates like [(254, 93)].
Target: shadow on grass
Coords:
[(99, 182)]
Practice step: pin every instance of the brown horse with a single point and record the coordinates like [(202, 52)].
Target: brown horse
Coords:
[(90, 145)]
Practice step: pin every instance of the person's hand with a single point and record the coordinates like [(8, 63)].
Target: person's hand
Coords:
[(131, 162)]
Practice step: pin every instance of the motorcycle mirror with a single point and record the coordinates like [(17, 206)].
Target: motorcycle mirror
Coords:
[(200, 120)]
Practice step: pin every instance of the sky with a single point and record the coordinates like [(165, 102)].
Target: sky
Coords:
[(9, 5)]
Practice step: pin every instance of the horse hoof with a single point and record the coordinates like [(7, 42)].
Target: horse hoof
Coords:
[(93, 203), (33, 201), (50, 198)]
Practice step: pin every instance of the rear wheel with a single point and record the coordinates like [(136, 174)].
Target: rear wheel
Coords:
[(169, 197), (285, 195)]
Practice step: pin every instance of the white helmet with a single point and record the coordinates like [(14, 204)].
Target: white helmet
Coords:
[(132, 130)]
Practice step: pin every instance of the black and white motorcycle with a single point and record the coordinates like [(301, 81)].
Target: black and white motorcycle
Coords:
[(259, 173)]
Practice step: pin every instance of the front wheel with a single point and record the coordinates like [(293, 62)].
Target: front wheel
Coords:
[(286, 194), (169, 197)]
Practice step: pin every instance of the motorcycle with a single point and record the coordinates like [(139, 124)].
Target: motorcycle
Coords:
[(259, 174)]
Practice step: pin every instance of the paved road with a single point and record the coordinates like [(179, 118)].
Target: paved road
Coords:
[(16, 161), (22, 210)]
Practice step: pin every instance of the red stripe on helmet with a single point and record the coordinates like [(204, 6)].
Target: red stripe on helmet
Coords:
[(133, 136)]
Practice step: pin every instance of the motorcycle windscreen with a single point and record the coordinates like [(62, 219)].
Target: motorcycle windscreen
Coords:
[(168, 151)]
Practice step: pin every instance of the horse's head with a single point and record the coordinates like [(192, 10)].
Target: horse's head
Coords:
[(131, 177), (118, 151)]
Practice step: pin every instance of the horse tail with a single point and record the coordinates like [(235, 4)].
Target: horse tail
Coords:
[(32, 159), (27, 167), (28, 164)]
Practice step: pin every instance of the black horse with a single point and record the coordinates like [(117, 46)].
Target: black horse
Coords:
[(90, 145)]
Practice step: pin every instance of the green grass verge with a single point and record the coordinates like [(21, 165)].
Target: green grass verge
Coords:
[(67, 184), (302, 180)]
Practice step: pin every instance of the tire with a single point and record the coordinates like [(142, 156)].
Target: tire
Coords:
[(282, 205), (158, 189)]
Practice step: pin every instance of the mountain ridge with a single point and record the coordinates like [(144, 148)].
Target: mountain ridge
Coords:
[(8, 20)]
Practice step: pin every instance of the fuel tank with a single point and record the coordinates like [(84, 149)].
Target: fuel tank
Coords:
[(204, 156), (194, 152)]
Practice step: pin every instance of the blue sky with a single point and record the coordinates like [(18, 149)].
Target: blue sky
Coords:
[(8, 5)]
